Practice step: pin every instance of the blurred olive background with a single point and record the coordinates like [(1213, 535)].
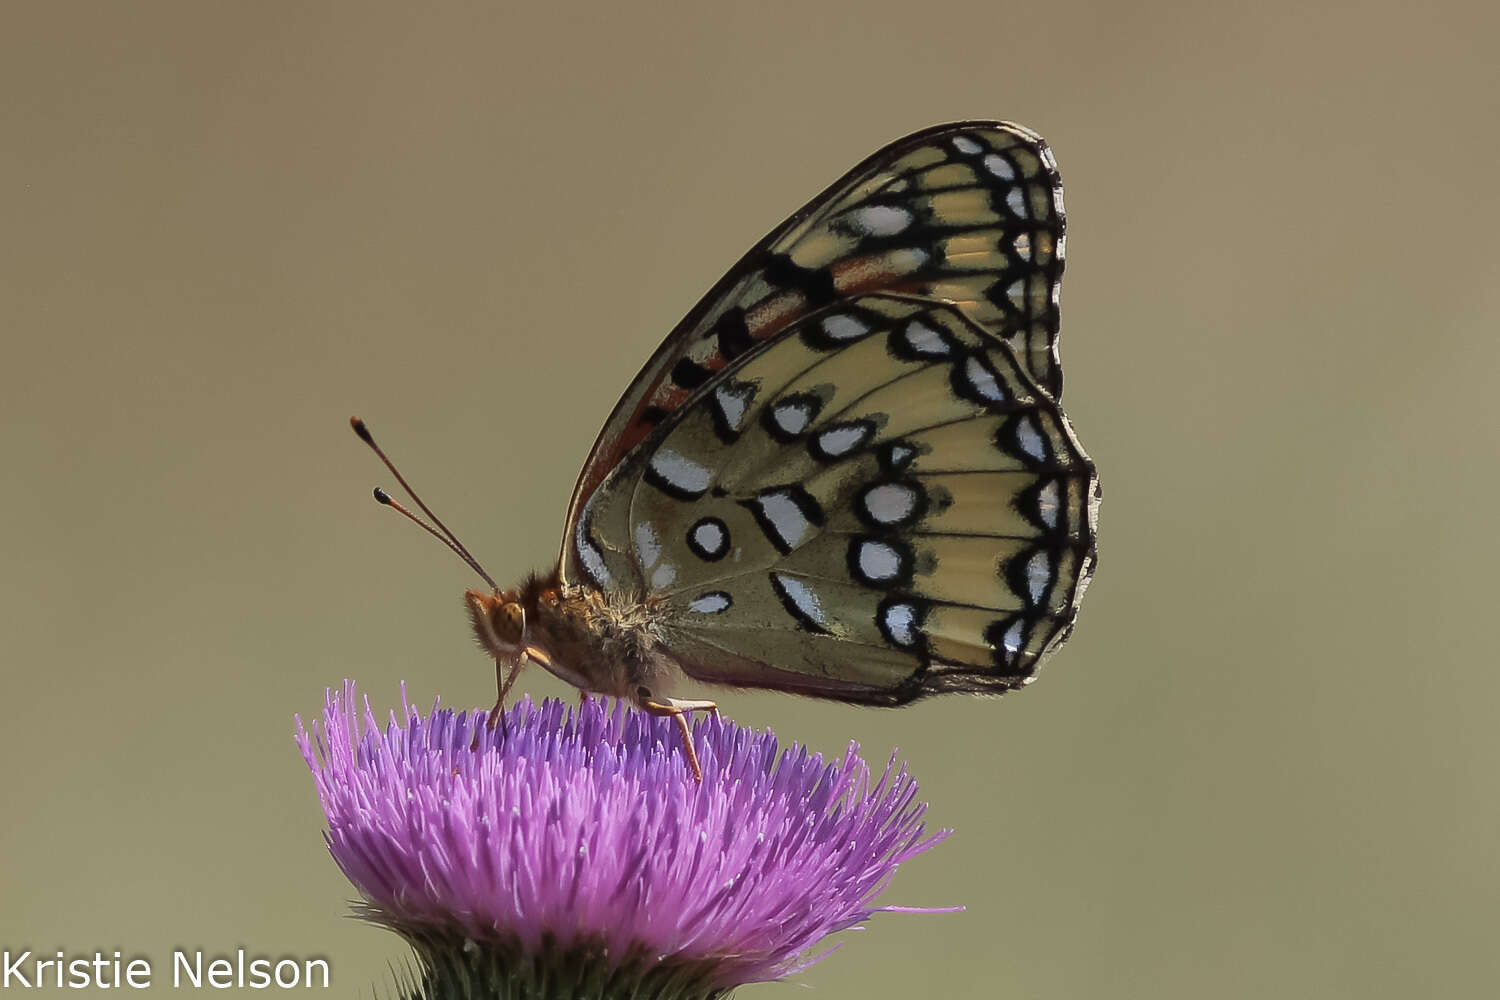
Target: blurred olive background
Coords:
[(1265, 765)]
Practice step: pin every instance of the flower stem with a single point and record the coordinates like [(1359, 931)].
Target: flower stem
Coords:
[(463, 969)]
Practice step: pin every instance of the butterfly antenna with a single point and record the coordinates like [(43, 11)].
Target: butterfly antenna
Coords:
[(383, 497), (446, 536)]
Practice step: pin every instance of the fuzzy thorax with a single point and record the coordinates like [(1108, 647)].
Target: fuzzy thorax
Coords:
[(607, 647)]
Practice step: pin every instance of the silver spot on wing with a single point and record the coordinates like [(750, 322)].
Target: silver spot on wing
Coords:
[(711, 603), (678, 475)]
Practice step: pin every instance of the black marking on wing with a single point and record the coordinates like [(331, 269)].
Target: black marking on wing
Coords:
[(689, 374), (815, 283), (732, 334)]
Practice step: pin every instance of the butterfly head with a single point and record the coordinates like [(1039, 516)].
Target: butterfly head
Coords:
[(499, 622)]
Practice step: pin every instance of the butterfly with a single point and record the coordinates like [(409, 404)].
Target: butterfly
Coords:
[(846, 473)]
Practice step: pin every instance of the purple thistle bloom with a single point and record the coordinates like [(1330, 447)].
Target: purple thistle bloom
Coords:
[(580, 837)]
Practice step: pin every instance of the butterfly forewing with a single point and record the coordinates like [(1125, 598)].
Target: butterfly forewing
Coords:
[(879, 503), (969, 213)]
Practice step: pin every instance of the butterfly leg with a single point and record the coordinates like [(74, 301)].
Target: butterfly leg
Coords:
[(497, 714), (678, 705), (678, 710), (503, 682)]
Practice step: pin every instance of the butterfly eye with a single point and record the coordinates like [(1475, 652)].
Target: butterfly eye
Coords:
[(509, 622)]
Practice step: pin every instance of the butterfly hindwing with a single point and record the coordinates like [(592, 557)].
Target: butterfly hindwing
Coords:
[(880, 503), (969, 212)]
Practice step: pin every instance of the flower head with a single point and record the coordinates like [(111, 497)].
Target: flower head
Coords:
[(580, 837)]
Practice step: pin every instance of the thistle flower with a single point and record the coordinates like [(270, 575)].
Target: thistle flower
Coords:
[(572, 854)]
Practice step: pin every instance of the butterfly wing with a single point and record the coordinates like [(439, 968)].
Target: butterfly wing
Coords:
[(969, 212), (878, 504)]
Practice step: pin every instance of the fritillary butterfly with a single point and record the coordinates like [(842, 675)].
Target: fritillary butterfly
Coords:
[(846, 472)]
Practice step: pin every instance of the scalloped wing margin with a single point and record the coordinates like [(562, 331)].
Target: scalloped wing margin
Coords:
[(880, 504)]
